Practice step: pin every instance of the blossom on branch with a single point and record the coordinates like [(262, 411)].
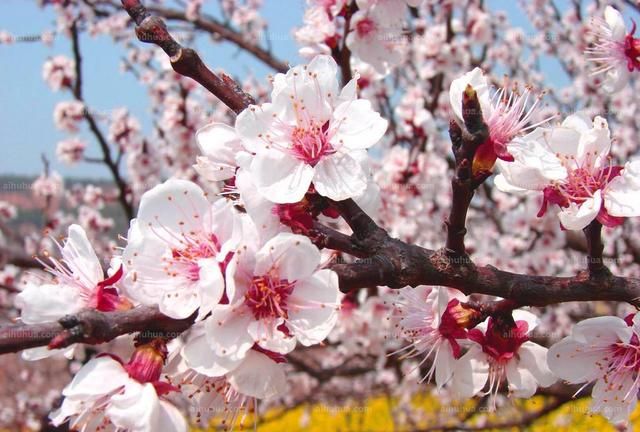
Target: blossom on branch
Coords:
[(605, 350), (571, 166), (615, 53), (311, 133)]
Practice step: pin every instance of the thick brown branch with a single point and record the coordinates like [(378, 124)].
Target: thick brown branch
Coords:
[(91, 327), (185, 61)]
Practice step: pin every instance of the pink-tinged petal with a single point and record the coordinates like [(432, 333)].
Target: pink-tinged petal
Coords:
[(226, 331), (80, 257), (200, 356), (46, 303), (281, 178), (102, 375), (576, 217), (313, 307), (293, 256), (339, 177), (569, 361), (171, 209), (470, 374), (356, 125), (258, 376)]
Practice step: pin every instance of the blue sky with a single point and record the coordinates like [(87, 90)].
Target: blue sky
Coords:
[(26, 103)]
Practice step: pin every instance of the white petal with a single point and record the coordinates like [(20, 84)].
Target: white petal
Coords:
[(281, 178), (46, 303), (445, 362), (171, 209), (470, 374), (521, 381), (80, 257), (226, 331), (569, 361), (339, 177), (477, 80), (267, 335), (356, 125), (622, 196), (603, 330), (258, 376), (100, 376), (533, 358), (313, 307), (219, 144), (201, 357), (210, 285), (254, 124), (170, 419), (137, 408), (293, 256), (576, 217), (616, 23), (523, 315)]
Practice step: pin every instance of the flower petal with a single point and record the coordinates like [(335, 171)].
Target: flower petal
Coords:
[(281, 178), (339, 177)]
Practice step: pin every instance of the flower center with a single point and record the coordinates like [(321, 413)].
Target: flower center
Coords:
[(267, 297), (186, 258), (311, 143), (632, 50)]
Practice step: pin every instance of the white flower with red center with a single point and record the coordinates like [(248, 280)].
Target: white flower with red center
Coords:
[(311, 133), (376, 34), (111, 396), (615, 53), (502, 353), (507, 114), (433, 320), (178, 249), (277, 296), (79, 284), (218, 386), (605, 350), (59, 72), (570, 165)]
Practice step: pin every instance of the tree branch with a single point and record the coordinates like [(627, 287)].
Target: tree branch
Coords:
[(91, 327), (185, 61)]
